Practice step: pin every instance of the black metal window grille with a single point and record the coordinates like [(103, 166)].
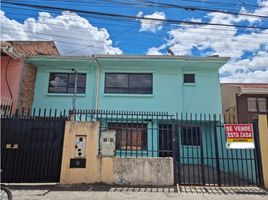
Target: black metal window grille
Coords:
[(130, 136), (191, 136), (128, 83), (65, 83), (257, 104), (189, 78), (165, 140)]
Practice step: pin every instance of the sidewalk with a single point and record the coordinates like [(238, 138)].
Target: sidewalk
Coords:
[(104, 192)]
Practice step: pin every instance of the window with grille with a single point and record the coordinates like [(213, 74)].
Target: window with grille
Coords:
[(128, 83), (130, 136)]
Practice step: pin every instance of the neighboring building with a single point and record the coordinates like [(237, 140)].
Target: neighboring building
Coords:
[(140, 83), (243, 102), (18, 77)]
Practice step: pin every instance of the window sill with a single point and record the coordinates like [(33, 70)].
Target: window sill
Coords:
[(128, 95), (65, 95), (189, 84)]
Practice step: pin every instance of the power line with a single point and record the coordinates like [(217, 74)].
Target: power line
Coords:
[(84, 45), (167, 5), (188, 39), (192, 8), (111, 19), (221, 3), (80, 49), (187, 8), (136, 17), (59, 25)]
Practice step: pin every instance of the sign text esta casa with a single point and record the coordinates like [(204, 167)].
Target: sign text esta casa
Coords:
[(239, 136)]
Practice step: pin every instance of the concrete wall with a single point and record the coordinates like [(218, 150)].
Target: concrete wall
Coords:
[(169, 92), (143, 171), (97, 170), (43, 99), (228, 95), (110, 170), (263, 133)]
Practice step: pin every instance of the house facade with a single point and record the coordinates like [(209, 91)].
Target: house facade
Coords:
[(17, 76), (134, 83), (244, 101), (168, 84)]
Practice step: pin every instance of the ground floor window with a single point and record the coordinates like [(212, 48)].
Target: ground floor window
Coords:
[(130, 136), (191, 136)]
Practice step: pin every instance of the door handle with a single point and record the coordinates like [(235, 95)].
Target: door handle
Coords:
[(12, 146)]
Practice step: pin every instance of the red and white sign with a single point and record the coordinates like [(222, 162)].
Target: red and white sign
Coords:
[(239, 136)]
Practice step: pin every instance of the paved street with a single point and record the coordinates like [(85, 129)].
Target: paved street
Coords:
[(104, 192)]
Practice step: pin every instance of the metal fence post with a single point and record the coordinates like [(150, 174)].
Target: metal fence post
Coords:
[(258, 153), (216, 150), (174, 153)]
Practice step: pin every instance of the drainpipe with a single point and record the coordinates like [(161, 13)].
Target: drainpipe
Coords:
[(75, 89), (97, 82)]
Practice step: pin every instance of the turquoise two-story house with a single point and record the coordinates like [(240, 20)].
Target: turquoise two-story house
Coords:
[(140, 83), (172, 84)]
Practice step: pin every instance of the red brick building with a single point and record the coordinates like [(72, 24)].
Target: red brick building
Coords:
[(18, 77)]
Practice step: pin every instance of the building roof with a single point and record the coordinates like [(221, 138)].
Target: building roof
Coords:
[(34, 48), (160, 57), (256, 86), (250, 88), (248, 85), (8, 49), (106, 56)]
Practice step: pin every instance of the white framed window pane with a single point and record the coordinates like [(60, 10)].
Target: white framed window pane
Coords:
[(252, 104), (262, 104)]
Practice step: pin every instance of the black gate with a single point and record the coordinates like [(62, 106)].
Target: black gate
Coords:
[(201, 157), (31, 149)]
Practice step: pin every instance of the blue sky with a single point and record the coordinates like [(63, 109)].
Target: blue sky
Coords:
[(84, 34)]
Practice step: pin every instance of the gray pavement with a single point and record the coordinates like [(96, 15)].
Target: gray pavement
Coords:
[(104, 192)]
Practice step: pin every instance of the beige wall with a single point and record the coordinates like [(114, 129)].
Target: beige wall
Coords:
[(109, 170), (228, 95), (97, 170), (263, 132)]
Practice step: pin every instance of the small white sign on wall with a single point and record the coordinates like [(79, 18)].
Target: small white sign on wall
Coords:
[(108, 143)]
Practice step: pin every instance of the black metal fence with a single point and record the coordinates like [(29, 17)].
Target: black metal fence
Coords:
[(31, 145), (196, 142)]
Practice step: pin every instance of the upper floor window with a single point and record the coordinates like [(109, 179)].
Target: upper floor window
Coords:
[(128, 83), (188, 78), (257, 104), (65, 83)]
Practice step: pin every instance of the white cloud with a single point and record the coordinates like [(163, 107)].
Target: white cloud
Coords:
[(150, 25), (72, 34), (262, 11), (258, 76), (248, 50)]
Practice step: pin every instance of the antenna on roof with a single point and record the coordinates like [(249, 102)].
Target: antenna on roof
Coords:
[(170, 51)]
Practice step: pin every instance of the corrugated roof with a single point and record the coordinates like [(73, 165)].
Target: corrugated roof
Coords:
[(34, 48)]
